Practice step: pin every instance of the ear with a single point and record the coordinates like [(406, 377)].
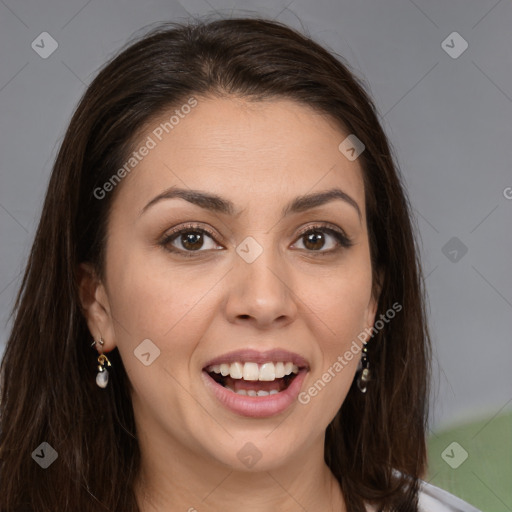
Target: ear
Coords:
[(374, 300), (95, 307)]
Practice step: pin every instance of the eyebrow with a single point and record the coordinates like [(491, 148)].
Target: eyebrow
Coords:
[(218, 204)]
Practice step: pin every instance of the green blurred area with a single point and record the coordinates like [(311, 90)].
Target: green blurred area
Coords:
[(481, 456)]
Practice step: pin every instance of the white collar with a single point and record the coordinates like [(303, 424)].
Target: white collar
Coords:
[(435, 499)]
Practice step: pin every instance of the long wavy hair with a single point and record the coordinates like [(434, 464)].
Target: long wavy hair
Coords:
[(375, 446)]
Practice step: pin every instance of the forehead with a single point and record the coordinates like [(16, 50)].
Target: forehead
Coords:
[(260, 152)]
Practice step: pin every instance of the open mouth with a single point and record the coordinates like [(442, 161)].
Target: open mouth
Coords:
[(252, 379)]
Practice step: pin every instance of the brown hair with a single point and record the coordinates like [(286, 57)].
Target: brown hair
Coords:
[(375, 446)]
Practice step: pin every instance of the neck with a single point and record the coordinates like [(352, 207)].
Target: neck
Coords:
[(178, 479)]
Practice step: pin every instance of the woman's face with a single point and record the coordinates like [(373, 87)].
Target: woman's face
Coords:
[(242, 285)]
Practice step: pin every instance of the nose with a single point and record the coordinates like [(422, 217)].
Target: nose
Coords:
[(261, 292)]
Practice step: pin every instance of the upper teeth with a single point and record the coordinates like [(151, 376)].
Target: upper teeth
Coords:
[(253, 371)]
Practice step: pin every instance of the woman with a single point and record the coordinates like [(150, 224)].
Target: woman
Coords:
[(223, 304)]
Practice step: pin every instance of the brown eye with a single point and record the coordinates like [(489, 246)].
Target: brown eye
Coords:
[(314, 240), (317, 237), (189, 239)]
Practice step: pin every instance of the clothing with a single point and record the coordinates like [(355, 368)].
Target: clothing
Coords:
[(435, 499)]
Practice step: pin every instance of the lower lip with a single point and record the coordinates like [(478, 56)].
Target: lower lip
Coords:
[(256, 406)]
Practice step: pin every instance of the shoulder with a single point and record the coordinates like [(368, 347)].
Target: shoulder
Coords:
[(435, 499)]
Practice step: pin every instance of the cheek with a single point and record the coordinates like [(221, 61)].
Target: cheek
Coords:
[(150, 298), (148, 303), (341, 305)]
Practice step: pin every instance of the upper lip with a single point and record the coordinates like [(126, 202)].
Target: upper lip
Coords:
[(255, 356)]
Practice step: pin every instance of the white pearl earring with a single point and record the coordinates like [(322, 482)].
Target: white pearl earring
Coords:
[(102, 376)]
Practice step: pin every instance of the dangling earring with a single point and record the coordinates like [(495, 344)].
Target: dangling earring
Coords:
[(102, 375), (364, 375), (100, 341)]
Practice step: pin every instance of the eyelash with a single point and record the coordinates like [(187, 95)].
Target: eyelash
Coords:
[(344, 241)]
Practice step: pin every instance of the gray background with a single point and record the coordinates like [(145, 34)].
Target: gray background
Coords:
[(449, 120)]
